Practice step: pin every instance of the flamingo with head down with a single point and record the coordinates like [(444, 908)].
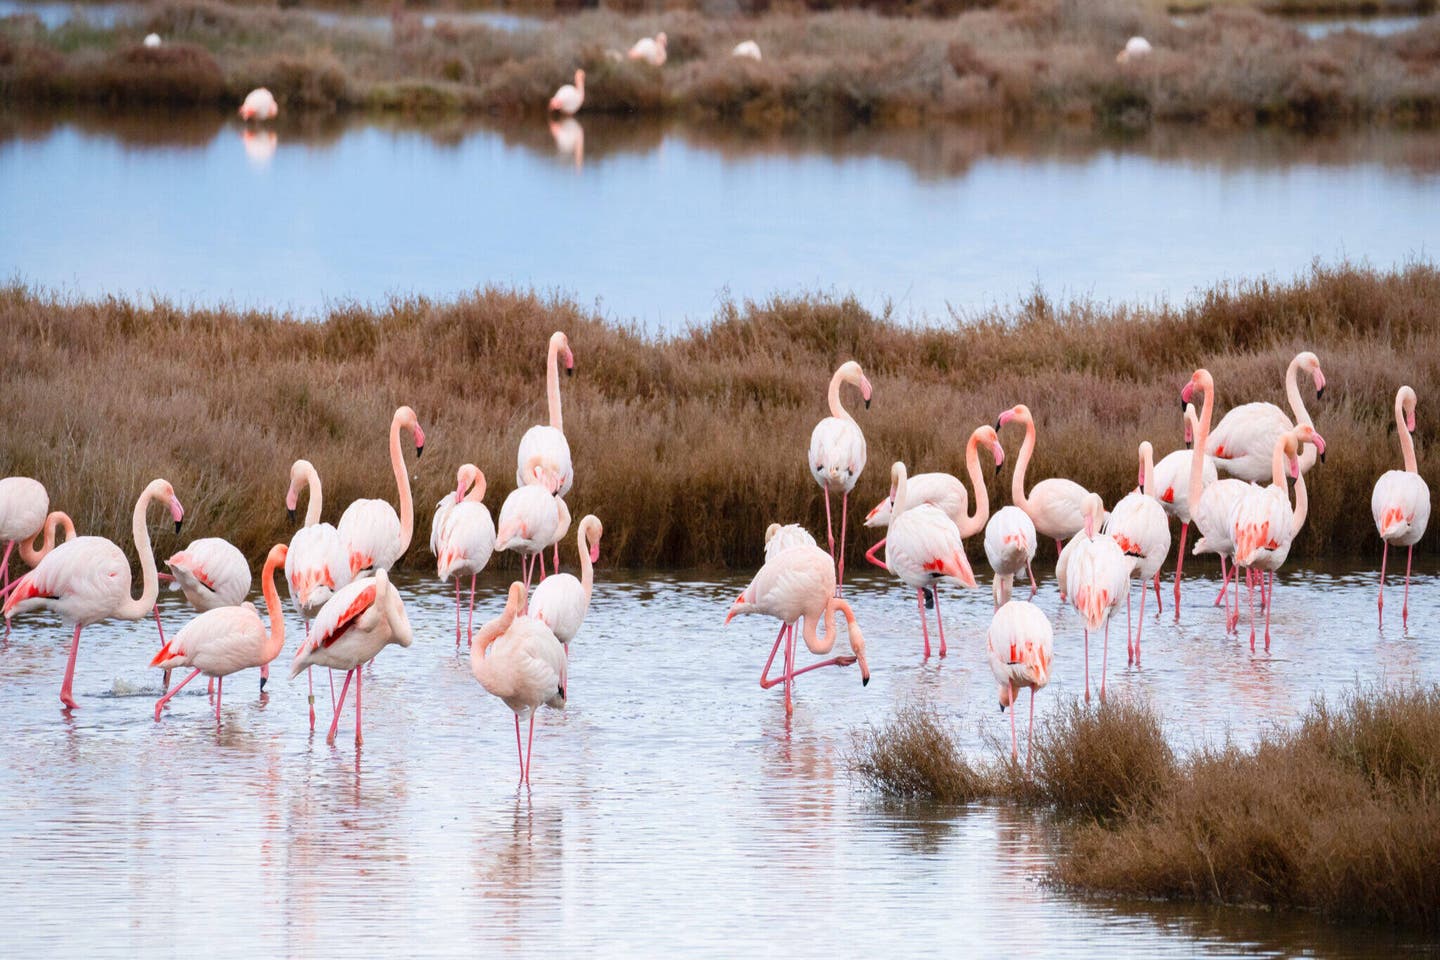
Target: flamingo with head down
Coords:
[(837, 456), (1400, 503), (923, 547), (373, 534), (1020, 646), (1010, 541)]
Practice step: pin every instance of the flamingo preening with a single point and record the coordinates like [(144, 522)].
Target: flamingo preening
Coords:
[(374, 535), (837, 456), (1401, 502)]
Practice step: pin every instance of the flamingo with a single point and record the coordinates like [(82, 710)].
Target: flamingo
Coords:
[(1246, 436), (799, 583), (359, 621), (1055, 504), (87, 579), (837, 455), (1263, 524), (922, 548), (747, 50), (464, 539), (24, 504), (1020, 645), (1401, 501), (373, 535), (152, 40), (518, 659), (649, 49), (782, 537), (1136, 48), (259, 105), (561, 601), (211, 573), (1210, 503), (316, 563), (547, 441), (1098, 573), (569, 98), (1010, 541), (1172, 486), (1139, 525), (947, 492), (529, 518), (228, 639)]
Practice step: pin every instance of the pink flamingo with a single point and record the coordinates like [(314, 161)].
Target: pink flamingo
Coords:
[(56, 521), (23, 505), (922, 548), (1010, 541), (1054, 505), (316, 563), (373, 534), (1245, 437), (212, 573), (799, 583), (529, 518), (355, 624), (1211, 503), (649, 49), (1139, 525), (837, 455), (1020, 645), (561, 600), (1401, 502), (518, 659), (259, 105), (1172, 489), (464, 540), (87, 579), (569, 98), (547, 441), (1098, 573), (226, 640)]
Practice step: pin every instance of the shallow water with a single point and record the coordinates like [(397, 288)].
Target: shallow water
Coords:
[(662, 224), (672, 808), (58, 13)]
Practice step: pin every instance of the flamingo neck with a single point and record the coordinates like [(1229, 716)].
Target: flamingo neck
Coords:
[(480, 644), (276, 641), (1147, 472), (1277, 467), (1308, 453), (971, 524), (402, 482), (135, 609), (1017, 480), (587, 569), (1407, 442), (552, 385), (53, 522), (833, 397), (816, 643), (477, 490), (313, 505), (1302, 505), (1202, 437), (902, 486)]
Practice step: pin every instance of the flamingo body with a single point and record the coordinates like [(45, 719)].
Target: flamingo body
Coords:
[(23, 506), (467, 542), (212, 573), (1400, 505), (747, 50), (943, 490), (837, 454), (649, 49), (529, 519), (259, 105), (1172, 483), (316, 565), (569, 98), (780, 537), (359, 621)]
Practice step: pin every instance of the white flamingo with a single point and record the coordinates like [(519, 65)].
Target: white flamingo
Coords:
[(373, 534), (464, 539), (561, 601), (1098, 573), (259, 105), (1054, 505), (547, 441), (1020, 646), (1010, 541), (1245, 437), (529, 518), (922, 548), (569, 98), (780, 537), (746, 50), (1139, 525), (837, 456), (650, 49), (1401, 501)]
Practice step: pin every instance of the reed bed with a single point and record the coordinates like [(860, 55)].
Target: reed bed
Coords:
[(686, 446), (1339, 814), (1026, 60)]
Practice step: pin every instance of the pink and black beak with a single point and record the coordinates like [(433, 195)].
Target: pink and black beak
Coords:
[(177, 512)]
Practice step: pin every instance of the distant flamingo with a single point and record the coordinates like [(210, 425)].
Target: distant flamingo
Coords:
[(746, 50), (359, 621), (569, 98), (561, 601), (152, 40), (87, 579), (464, 540), (1139, 525), (799, 583), (1172, 488), (225, 640), (316, 564), (922, 548), (1020, 645), (1098, 574), (837, 456), (529, 518), (518, 659), (649, 49), (1136, 48), (1401, 501), (1010, 540), (1055, 504), (1245, 437), (259, 105), (373, 535), (784, 536), (547, 441)]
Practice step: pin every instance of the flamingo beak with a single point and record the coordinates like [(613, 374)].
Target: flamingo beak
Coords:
[(290, 514), (177, 511), (1186, 392), (595, 553), (419, 450)]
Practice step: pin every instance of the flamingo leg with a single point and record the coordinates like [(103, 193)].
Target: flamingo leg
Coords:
[(359, 686), (840, 570), (457, 613), (310, 684), (1130, 627), (541, 557), (766, 684), (1059, 546), (5, 581), (335, 723), (331, 674), (924, 627), (1158, 605), (1087, 666), (165, 676), (1250, 592), (1014, 745), (160, 704), (1384, 558), (1104, 659), (1030, 733), (219, 694), (1405, 605), (1224, 580), (870, 554), (1269, 602), (1140, 624), (789, 672), (1179, 566), (66, 696), (939, 623), (519, 752), (556, 566), (842, 661), (1034, 587), (529, 746), (470, 624)]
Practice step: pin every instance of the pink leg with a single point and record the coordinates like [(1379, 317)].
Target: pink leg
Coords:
[(359, 686), (1034, 587), (1087, 666), (165, 676), (1014, 745), (335, 723), (829, 527), (331, 675), (844, 661), (939, 623), (1179, 566), (519, 751), (1405, 605), (470, 624), (1059, 547), (555, 567), (840, 570), (160, 704), (1250, 592), (924, 627), (1269, 602), (1224, 580), (210, 687), (1104, 659), (66, 696), (1130, 627), (5, 581), (1140, 624), (529, 746), (219, 694), (1158, 605), (766, 684), (457, 613), (1384, 558), (870, 554), (310, 684), (541, 557), (789, 672), (1029, 734)]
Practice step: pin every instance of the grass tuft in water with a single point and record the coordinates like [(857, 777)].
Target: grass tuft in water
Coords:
[(916, 755)]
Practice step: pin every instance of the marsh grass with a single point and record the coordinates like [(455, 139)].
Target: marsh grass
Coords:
[(687, 446), (1339, 814), (1021, 61)]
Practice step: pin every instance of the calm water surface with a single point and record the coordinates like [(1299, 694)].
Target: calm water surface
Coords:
[(672, 809), (662, 224)]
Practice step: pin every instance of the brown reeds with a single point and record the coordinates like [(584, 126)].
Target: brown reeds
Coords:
[(1021, 61), (686, 446), (916, 755)]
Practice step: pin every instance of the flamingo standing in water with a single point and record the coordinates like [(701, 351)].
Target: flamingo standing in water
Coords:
[(530, 517), (1211, 503), (561, 600), (649, 49), (837, 456), (1139, 525), (463, 540), (1172, 489), (1020, 646), (373, 534), (212, 573), (569, 98), (316, 563), (23, 505), (1010, 541), (1245, 437), (518, 659), (1401, 502), (225, 640), (547, 441), (359, 621), (799, 583), (1097, 572), (87, 579), (259, 105), (1054, 505), (922, 548)]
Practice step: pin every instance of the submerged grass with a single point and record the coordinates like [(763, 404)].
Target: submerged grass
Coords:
[(686, 446), (1024, 60), (1340, 815)]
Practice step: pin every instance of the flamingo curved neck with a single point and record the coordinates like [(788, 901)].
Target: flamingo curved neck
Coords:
[(1202, 437), (1302, 506), (1407, 442), (587, 569), (902, 484), (313, 505), (552, 385), (402, 482), (135, 609), (973, 523), (477, 490), (1277, 467), (53, 522), (1308, 453), (822, 645), (1017, 480), (276, 641), (833, 397), (479, 646)]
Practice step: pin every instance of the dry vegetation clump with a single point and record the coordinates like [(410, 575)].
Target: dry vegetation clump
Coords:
[(1021, 61), (687, 446), (916, 755), (1101, 761)]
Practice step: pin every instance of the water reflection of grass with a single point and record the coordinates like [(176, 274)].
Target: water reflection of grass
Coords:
[(1027, 60), (1339, 814)]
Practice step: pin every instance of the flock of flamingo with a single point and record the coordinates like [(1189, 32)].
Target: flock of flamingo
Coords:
[(338, 575)]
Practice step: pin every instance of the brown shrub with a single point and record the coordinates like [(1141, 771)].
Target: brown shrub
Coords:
[(1101, 761), (916, 755)]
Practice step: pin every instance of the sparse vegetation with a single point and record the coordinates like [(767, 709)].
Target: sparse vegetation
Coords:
[(1020, 61)]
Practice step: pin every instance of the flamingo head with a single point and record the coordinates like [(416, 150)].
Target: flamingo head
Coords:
[(1407, 405), (1190, 420), (1199, 380), (660, 39), (292, 498), (1018, 412), (986, 434), (300, 473), (1146, 450), (857, 646), (879, 515), (897, 480), (1311, 365), (162, 490), (559, 342), (1007, 696), (1093, 508), (466, 477), (741, 605), (1307, 434), (405, 419), (594, 530), (850, 372)]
